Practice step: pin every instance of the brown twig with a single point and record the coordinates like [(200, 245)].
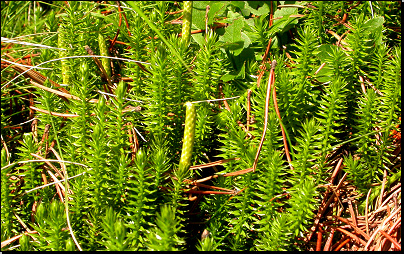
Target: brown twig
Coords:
[(355, 237), (366, 212), (342, 242), (391, 239), (352, 212), (52, 113), (319, 238), (104, 73), (119, 25), (50, 173), (264, 58), (328, 243), (285, 143), (209, 192), (382, 189), (381, 228), (319, 68), (323, 207), (226, 105), (39, 78), (357, 230), (271, 81), (211, 164), (240, 172), (336, 170), (11, 240)]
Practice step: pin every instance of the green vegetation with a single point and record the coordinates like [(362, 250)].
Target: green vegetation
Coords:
[(115, 128)]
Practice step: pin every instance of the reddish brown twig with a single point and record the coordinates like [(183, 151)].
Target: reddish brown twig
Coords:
[(119, 26), (319, 238), (357, 230), (328, 243), (271, 81), (240, 172), (285, 143), (211, 164), (355, 237), (391, 239), (343, 241), (12, 239), (264, 58)]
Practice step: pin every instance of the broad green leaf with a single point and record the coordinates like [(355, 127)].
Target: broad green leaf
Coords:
[(232, 36), (234, 75), (286, 22), (374, 24), (216, 9), (238, 4), (285, 12), (374, 27), (233, 31), (231, 16), (246, 39), (252, 7), (199, 38), (199, 13)]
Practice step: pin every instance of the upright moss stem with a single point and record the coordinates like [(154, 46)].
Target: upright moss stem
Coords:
[(189, 135), (62, 41), (187, 22), (106, 63)]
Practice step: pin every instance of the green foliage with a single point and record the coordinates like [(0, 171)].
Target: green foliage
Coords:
[(24, 243), (332, 115), (304, 163), (276, 239), (6, 199), (207, 244), (50, 222), (164, 236), (134, 191), (141, 206), (114, 231)]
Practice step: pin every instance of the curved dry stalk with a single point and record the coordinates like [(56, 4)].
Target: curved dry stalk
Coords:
[(13, 239), (50, 165), (285, 143), (211, 164), (381, 227), (355, 237), (391, 239), (366, 212), (52, 113), (63, 94), (355, 227), (271, 82)]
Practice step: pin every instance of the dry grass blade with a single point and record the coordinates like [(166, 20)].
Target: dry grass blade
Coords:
[(13, 239), (271, 83), (355, 237), (102, 69), (366, 212), (391, 239), (52, 113), (211, 164), (358, 230)]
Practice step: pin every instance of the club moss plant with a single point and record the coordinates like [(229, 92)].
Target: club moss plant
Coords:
[(136, 159)]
